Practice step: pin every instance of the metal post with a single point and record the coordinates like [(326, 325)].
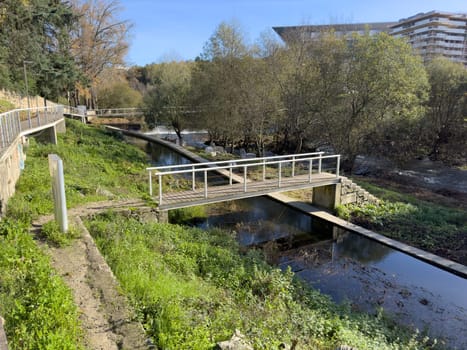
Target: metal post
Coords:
[(310, 170), (280, 174), (264, 170), (27, 88), (9, 130), (338, 165), (230, 175), (244, 178), (18, 125), (160, 188), (150, 183), (2, 134), (19, 121), (205, 184), (58, 189), (293, 166), (320, 162), (193, 178)]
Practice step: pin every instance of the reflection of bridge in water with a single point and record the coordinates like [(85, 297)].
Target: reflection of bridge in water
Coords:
[(244, 178)]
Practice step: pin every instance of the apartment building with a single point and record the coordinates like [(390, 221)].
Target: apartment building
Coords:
[(431, 34), (435, 33), (341, 30)]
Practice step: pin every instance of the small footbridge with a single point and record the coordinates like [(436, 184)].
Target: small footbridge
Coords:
[(186, 185)]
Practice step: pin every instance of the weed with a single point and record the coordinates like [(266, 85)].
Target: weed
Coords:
[(192, 288), (52, 233), (37, 306), (426, 225)]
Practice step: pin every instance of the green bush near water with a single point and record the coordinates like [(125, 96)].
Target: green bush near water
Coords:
[(193, 288), (426, 225)]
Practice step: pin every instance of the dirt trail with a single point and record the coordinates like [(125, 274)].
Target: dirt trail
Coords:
[(107, 319)]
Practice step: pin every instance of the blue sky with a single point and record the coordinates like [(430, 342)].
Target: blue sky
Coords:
[(178, 29)]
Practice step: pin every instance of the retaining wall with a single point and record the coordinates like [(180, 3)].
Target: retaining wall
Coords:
[(351, 193), (11, 164), (21, 101)]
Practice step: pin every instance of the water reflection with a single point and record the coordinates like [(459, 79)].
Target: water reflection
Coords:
[(358, 247)]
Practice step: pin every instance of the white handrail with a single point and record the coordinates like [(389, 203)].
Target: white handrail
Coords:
[(240, 160), (213, 166), (237, 166), (16, 121)]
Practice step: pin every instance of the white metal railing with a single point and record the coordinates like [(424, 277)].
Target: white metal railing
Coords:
[(117, 112), (14, 122), (307, 160), (75, 112)]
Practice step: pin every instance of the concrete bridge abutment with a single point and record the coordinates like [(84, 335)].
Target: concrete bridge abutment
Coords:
[(49, 135), (328, 196), (345, 192)]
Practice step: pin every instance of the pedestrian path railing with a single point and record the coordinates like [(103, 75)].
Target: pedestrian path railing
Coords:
[(247, 171), (75, 113), (17, 121), (117, 112)]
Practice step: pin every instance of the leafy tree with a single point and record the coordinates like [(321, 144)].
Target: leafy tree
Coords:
[(309, 75), (233, 90), (384, 86), (118, 95), (445, 123), (167, 98), (37, 31)]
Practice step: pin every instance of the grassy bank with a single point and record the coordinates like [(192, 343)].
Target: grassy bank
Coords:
[(192, 288), (34, 301), (428, 225), (97, 166)]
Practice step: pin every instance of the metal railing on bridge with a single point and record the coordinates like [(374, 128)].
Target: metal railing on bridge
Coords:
[(117, 112), (75, 112), (251, 170), (14, 122)]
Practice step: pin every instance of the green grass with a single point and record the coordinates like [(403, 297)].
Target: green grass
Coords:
[(193, 288), (190, 287), (52, 233), (37, 306), (6, 106), (96, 167), (426, 225)]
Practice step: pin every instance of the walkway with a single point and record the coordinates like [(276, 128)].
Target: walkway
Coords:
[(20, 122), (253, 177)]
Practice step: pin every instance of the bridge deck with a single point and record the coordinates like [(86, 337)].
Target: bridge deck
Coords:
[(222, 193)]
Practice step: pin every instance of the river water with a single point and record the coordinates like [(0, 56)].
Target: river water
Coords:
[(346, 266)]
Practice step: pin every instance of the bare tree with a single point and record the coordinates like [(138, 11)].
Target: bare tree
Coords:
[(100, 40)]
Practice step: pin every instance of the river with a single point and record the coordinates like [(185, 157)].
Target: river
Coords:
[(352, 269)]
